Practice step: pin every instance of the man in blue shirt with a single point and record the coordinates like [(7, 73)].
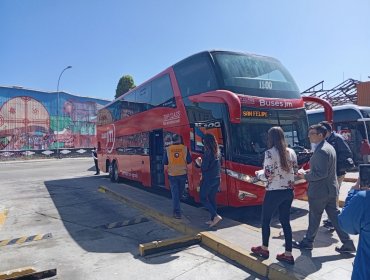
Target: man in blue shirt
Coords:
[(355, 219)]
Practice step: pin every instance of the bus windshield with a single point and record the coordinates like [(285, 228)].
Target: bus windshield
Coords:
[(255, 75), (249, 139), (365, 112), (366, 115)]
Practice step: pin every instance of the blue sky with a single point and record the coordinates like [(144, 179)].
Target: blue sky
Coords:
[(103, 40)]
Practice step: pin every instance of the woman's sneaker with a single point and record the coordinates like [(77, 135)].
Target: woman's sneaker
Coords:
[(259, 251), (215, 221), (284, 258)]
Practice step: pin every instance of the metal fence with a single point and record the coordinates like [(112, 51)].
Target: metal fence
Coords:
[(39, 154)]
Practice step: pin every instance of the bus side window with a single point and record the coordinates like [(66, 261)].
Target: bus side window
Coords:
[(162, 91)]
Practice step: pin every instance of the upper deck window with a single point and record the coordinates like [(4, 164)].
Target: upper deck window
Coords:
[(195, 75), (255, 75)]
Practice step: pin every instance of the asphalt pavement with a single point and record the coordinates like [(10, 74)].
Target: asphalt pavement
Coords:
[(52, 216)]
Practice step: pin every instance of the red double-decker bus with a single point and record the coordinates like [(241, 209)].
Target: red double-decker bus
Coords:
[(236, 96)]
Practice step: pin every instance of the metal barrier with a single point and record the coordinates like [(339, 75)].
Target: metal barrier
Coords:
[(49, 153)]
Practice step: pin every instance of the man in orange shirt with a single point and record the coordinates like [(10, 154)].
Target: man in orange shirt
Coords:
[(177, 157)]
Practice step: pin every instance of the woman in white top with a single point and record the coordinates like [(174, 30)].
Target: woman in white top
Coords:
[(279, 167)]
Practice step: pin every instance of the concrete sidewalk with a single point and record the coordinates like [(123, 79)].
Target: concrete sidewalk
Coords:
[(234, 240)]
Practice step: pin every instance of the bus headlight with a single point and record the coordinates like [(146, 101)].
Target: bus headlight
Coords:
[(241, 177)]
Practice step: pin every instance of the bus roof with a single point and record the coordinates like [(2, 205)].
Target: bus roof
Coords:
[(339, 108), (348, 112), (209, 52)]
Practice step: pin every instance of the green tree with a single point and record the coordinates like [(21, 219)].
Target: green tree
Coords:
[(124, 85)]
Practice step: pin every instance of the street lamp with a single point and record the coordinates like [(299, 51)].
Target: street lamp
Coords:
[(68, 67)]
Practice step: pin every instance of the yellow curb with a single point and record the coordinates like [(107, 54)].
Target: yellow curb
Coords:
[(168, 244), (241, 256), (352, 180), (16, 272), (169, 221), (101, 189), (223, 247), (3, 215)]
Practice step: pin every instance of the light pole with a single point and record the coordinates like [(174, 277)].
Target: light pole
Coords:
[(68, 67)]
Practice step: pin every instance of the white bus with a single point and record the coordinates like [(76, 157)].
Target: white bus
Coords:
[(351, 121)]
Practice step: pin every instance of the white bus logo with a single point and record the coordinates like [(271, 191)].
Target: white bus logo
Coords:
[(111, 132)]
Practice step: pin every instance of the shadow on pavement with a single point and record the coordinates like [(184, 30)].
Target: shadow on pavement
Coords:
[(309, 264), (85, 212)]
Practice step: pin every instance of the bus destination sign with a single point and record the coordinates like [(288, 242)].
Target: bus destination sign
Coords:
[(255, 114)]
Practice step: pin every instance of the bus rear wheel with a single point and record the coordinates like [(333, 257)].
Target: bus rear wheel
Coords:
[(113, 172)]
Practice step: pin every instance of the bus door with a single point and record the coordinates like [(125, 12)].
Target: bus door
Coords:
[(156, 158), (216, 128)]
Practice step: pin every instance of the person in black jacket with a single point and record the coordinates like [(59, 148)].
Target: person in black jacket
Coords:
[(344, 153), (344, 158), (94, 154), (210, 166)]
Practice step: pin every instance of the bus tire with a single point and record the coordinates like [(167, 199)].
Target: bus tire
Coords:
[(111, 170), (114, 172)]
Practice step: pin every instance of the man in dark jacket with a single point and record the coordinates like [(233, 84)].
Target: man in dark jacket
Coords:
[(344, 153), (344, 158)]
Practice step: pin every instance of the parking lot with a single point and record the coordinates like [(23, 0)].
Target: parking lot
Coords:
[(55, 218)]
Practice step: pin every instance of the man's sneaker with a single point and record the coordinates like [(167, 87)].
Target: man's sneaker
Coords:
[(284, 258), (215, 221), (302, 245), (346, 248), (209, 222), (259, 251), (177, 216), (329, 225)]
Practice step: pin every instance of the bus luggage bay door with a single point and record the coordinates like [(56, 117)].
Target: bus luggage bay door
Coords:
[(156, 158)]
